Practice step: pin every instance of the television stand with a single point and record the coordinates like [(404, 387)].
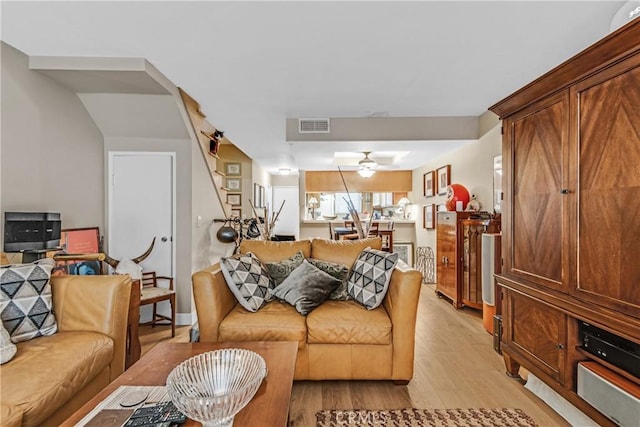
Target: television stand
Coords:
[(36, 254)]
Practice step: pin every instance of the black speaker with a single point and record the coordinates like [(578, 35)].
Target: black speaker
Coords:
[(497, 333)]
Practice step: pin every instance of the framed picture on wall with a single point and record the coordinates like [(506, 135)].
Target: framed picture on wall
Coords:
[(428, 215), (234, 199), (429, 184), (236, 212), (233, 169), (79, 241), (256, 195), (444, 179), (234, 184), (263, 197)]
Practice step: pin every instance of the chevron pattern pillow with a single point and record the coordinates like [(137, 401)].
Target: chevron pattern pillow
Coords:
[(25, 300), (248, 280), (370, 277)]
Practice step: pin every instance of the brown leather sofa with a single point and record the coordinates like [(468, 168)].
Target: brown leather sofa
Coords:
[(337, 340), (50, 377)]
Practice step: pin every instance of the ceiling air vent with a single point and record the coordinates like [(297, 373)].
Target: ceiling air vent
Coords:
[(313, 125)]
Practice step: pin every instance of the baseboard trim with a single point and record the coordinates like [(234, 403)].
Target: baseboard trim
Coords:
[(562, 406), (184, 319)]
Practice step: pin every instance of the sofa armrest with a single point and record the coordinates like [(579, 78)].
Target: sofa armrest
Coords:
[(213, 301), (401, 303), (96, 304)]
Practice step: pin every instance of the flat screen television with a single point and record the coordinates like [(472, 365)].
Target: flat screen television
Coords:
[(31, 231)]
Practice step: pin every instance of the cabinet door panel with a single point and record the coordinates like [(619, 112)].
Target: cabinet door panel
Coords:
[(608, 226), (538, 138), (538, 333), (447, 282)]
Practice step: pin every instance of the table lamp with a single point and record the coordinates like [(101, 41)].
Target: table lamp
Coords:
[(404, 202), (312, 204)]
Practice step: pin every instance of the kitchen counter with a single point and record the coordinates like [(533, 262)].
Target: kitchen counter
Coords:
[(404, 229)]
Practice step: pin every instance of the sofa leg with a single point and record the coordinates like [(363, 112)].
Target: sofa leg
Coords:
[(401, 382)]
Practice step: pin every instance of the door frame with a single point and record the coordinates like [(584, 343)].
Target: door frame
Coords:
[(110, 156)]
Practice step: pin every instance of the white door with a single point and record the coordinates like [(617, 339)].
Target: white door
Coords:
[(141, 207), (289, 219)]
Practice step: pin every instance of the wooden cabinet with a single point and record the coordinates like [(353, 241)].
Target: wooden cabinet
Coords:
[(571, 212), (459, 257)]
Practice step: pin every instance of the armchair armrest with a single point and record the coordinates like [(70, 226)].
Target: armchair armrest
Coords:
[(401, 303), (213, 301), (96, 304)]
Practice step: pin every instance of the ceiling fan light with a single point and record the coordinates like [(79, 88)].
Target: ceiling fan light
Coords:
[(367, 162), (366, 172)]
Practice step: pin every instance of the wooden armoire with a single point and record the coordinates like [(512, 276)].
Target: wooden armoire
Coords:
[(571, 212), (459, 253)]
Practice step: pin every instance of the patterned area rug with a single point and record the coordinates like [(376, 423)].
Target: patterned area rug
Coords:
[(425, 418)]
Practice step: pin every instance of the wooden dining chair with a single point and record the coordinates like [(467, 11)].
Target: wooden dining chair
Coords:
[(152, 293)]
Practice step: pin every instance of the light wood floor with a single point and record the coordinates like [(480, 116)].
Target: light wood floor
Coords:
[(455, 367)]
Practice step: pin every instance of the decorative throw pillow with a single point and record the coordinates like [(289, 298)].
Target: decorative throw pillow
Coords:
[(306, 288), (248, 280), (7, 348), (370, 277), (278, 271), (25, 300), (340, 272)]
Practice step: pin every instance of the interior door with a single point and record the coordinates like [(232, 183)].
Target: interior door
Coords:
[(141, 207), (289, 219)]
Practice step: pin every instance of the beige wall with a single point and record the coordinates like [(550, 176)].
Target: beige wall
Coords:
[(46, 127), (471, 166), (51, 149)]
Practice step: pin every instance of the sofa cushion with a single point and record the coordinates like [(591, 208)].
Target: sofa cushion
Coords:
[(25, 300), (270, 251), (276, 321), (370, 276), (342, 251), (11, 416), (337, 270), (59, 377), (347, 322), (248, 280), (280, 270), (306, 287)]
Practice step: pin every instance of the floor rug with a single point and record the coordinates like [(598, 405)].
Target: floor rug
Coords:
[(412, 417)]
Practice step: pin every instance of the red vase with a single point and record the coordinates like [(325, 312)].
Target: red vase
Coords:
[(457, 193)]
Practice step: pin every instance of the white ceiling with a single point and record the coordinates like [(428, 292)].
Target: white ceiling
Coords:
[(251, 65)]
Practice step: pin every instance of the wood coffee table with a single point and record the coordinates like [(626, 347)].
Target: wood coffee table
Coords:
[(269, 407)]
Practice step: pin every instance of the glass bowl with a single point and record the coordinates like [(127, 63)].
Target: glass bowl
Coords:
[(213, 387)]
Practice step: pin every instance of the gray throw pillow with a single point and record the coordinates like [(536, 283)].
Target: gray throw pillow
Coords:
[(306, 288), (248, 280), (278, 271), (340, 272), (370, 277)]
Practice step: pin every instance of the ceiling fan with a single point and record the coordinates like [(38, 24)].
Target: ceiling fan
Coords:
[(366, 166)]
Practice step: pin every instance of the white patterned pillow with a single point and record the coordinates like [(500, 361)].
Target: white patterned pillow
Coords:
[(7, 348), (25, 300), (370, 277), (248, 280)]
